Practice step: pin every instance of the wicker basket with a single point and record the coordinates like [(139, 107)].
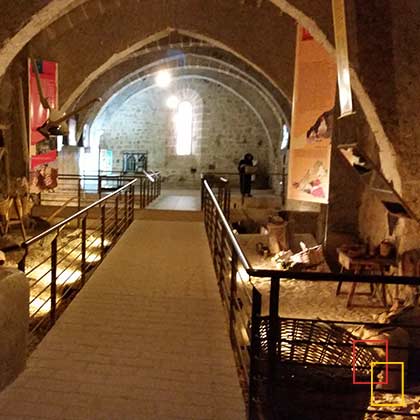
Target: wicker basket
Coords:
[(310, 256), (314, 373)]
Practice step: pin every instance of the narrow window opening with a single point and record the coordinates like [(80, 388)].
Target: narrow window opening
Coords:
[(184, 128)]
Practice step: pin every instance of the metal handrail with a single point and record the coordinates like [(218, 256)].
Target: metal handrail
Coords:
[(85, 187), (70, 260), (238, 249), (325, 276), (300, 275), (249, 328), (76, 215), (149, 177)]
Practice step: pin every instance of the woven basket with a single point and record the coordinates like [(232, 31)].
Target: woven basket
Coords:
[(314, 371), (317, 343), (310, 256)]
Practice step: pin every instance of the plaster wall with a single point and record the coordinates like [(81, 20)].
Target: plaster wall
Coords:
[(14, 316)]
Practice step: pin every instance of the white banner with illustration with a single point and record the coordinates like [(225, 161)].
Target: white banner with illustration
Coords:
[(312, 120)]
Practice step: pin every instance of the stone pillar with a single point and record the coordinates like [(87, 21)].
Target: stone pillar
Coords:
[(14, 318)]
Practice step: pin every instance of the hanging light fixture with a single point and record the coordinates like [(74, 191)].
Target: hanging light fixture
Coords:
[(172, 102), (163, 78)]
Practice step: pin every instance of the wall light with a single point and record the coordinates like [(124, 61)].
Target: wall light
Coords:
[(163, 78)]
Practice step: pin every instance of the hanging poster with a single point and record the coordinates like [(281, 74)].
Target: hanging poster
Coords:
[(312, 120), (43, 151)]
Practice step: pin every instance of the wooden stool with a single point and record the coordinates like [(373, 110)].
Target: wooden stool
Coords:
[(366, 265)]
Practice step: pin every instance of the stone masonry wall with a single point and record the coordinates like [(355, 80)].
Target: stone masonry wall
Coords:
[(225, 129)]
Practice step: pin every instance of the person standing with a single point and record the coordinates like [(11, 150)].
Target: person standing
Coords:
[(246, 170)]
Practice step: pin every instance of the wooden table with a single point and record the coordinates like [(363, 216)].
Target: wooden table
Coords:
[(367, 265)]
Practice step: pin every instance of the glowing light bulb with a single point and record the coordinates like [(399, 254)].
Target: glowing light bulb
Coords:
[(163, 78), (172, 102)]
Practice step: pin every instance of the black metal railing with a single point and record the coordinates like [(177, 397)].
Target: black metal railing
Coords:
[(58, 261), (81, 190), (273, 350), (223, 192), (274, 180)]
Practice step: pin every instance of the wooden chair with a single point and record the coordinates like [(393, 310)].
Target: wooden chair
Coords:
[(5, 206)]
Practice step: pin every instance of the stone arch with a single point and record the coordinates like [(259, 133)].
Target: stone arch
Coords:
[(123, 55), (100, 124), (219, 66), (39, 21), (229, 89), (277, 114)]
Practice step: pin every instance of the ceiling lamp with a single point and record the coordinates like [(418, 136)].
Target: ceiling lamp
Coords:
[(172, 102), (163, 78)]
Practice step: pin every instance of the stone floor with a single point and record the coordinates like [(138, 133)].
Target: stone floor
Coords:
[(177, 200), (145, 339)]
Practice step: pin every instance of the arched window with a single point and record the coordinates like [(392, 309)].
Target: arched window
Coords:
[(184, 128)]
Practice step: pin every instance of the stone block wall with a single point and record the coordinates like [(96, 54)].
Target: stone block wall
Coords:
[(225, 128), (14, 318)]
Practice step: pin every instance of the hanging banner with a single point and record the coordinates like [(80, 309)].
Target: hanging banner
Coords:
[(43, 151), (342, 56), (312, 120)]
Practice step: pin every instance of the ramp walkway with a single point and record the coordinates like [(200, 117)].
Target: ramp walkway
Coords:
[(146, 338)]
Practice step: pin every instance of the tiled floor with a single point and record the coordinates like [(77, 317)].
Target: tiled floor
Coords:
[(146, 338)]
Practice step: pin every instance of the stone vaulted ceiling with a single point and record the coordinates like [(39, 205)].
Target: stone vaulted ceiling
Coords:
[(90, 37)]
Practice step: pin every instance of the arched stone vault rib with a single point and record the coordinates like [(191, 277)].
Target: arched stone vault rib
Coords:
[(237, 74), (212, 80), (245, 77), (122, 56), (48, 14)]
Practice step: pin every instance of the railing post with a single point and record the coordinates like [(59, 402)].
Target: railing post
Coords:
[(214, 234), (232, 300), (273, 335), (79, 198), (202, 191), (226, 201), (99, 186), (53, 286), (22, 262), (83, 263), (142, 193), (132, 196), (125, 208), (254, 352), (283, 184), (117, 200), (102, 231)]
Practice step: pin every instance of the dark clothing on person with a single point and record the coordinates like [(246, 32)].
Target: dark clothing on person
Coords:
[(244, 178)]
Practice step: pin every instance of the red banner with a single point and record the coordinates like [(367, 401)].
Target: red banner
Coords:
[(43, 151), (37, 114)]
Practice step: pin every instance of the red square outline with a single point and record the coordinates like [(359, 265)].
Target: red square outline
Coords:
[(354, 362)]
